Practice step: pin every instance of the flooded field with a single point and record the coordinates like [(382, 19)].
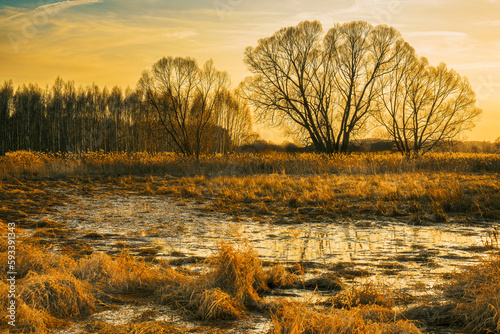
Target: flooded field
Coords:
[(389, 253), (184, 229)]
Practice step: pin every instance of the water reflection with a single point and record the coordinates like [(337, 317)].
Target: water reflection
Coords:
[(150, 220)]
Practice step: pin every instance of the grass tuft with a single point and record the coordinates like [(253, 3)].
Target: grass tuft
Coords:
[(61, 296), (279, 277), (217, 304), (228, 288), (363, 294), (121, 275)]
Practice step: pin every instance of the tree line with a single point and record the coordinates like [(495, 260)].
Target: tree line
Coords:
[(64, 118), (324, 89)]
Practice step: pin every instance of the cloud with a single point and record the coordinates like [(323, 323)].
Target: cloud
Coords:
[(485, 65), (175, 34), (49, 9), (436, 34)]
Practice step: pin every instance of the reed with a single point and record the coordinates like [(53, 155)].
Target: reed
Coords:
[(27, 163)]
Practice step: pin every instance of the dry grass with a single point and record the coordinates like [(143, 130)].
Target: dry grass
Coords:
[(279, 277), (237, 271), (218, 305), (46, 292), (363, 294), (434, 188), (36, 259), (62, 296), (325, 282), (228, 288), (297, 318), (23, 163), (52, 288), (476, 295), (121, 275), (431, 197), (28, 320), (21, 198)]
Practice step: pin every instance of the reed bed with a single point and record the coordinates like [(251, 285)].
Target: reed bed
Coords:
[(27, 163), (436, 187), (412, 197)]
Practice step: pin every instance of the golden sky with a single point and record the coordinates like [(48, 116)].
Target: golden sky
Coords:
[(110, 42)]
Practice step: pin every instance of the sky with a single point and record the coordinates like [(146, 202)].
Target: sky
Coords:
[(110, 42)]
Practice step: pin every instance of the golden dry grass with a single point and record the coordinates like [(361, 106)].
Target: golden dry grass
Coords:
[(28, 320), (27, 163), (363, 294), (476, 296), (123, 274), (52, 288), (227, 290), (434, 197), (434, 188), (62, 296), (297, 318), (36, 259), (279, 277)]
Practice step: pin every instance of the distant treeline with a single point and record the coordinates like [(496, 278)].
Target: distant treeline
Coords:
[(373, 145), (64, 118)]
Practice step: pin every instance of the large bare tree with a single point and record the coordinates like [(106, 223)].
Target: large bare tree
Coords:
[(184, 98), (422, 106), (322, 87)]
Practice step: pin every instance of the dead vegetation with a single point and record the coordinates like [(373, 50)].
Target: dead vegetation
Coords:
[(278, 277), (227, 290), (30, 164), (232, 285), (62, 296), (295, 318), (288, 188), (476, 296), (54, 287), (364, 294), (122, 274)]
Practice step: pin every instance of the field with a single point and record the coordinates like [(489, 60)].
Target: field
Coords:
[(251, 243)]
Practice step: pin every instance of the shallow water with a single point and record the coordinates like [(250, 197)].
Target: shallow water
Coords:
[(403, 256)]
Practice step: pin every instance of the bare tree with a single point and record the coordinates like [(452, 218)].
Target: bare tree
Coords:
[(423, 106), (184, 98), (322, 87)]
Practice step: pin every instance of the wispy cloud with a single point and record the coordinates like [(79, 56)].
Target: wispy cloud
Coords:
[(50, 9), (436, 34), (485, 65), (175, 34)]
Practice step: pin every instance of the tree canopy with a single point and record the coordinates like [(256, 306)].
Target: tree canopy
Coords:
[(327, 88)]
